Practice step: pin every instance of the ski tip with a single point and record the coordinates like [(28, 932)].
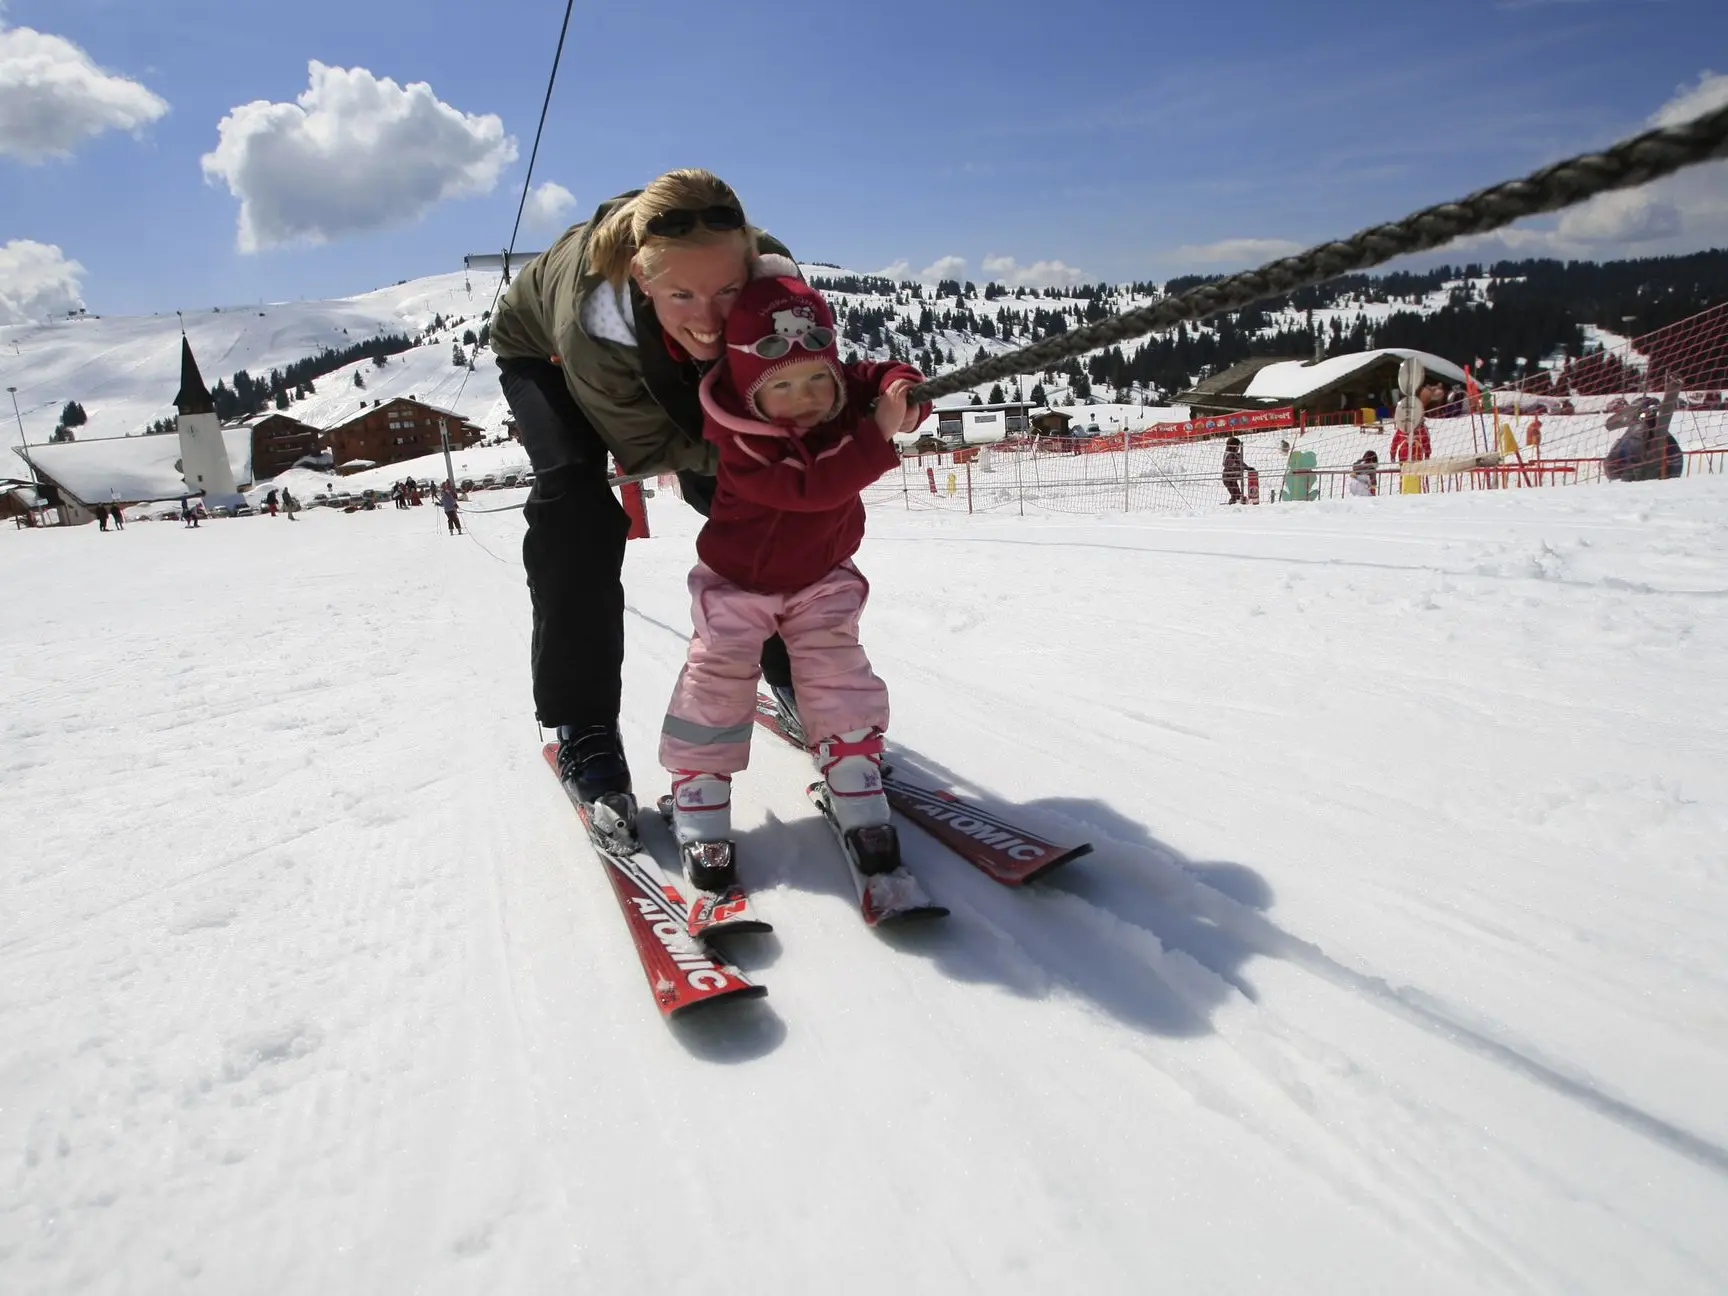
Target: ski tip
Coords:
[(681, 1009), (1051, 865), (898, 917), (743, 927)]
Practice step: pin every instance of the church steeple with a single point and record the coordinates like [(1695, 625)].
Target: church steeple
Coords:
[(194, 397)]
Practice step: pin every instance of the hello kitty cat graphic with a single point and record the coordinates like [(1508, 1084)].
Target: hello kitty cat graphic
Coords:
[(795, 322)]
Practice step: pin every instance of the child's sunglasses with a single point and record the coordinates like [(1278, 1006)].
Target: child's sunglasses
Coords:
[(681, 220), (776, 345)]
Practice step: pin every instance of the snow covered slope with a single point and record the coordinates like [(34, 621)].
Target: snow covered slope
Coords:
[(1398, 967), (125, 370)]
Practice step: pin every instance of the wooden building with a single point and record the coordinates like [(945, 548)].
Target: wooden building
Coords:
[(280, 442), (398, 429), (1361, 380)]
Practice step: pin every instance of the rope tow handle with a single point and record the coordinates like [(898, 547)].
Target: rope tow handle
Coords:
[(1635, 161)]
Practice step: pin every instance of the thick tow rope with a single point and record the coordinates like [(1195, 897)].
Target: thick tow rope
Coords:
[(1635, 161)]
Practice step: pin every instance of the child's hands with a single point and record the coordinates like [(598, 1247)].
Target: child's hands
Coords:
[(891, 413)]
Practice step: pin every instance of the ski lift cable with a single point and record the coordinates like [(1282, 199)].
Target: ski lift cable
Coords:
[(1635, 161), (527, 180)]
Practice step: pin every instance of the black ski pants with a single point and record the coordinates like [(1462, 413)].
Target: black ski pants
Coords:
[(574, 553)]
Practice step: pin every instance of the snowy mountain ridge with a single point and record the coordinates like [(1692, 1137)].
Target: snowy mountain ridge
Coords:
[(124, 370)]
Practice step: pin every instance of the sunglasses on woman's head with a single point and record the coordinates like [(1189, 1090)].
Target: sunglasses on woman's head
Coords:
[(681, 220), (776, 345)]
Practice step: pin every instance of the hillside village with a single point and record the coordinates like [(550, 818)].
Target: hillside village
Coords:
[(358, 385)]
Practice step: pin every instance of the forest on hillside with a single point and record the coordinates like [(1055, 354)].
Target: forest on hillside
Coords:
[(1505, 318)]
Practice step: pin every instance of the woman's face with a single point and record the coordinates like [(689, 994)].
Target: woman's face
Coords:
[(694, 292)]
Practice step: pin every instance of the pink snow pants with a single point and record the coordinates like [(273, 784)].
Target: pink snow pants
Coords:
[(709, 721)]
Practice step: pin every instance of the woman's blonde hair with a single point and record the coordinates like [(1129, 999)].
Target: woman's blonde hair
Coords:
[(622, 238)]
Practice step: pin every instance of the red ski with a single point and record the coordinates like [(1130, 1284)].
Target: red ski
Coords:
[(1009, 854), (682, 974)]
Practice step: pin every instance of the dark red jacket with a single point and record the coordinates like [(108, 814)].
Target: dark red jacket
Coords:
[(786, 508)]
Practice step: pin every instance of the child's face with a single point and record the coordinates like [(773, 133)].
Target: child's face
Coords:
[(800, 394)]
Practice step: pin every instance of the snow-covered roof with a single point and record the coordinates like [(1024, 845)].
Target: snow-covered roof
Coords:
[(132, 468), (1294, 379)]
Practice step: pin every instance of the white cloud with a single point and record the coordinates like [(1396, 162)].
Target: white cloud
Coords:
[(1625, 216), (352, 153), (53, 98), (948, 267), (36, 280), (1245, 252), (1040, 274), (549, 205), (1710, 93), (1676, 215)]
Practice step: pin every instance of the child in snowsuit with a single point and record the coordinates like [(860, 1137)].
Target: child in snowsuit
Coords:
[(1234, 470), (447, 502), (800, 437), (1364, 475)]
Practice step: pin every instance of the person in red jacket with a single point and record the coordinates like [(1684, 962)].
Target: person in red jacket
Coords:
[(799, 438)]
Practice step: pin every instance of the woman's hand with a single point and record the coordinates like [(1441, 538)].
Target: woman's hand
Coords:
[(892, 416)]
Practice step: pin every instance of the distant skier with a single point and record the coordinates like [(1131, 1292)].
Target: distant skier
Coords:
[(290, 505), (270, 503), (447, 502), (116, 517), (799, 438), (188, 515), (1646, 451), (1235, 469)]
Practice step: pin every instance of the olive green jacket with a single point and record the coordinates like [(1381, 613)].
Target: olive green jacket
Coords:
[(642, 401)]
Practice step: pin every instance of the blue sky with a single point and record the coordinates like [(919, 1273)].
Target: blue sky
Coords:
[(1104, 140)]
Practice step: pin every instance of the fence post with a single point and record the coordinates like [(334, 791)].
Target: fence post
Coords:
[(1124, 463), (635, 509)]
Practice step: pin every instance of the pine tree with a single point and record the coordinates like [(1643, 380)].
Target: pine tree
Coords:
[(996, 395), (73, 415), (457, 357), (359, 381), (1038, 397), (282, 398)]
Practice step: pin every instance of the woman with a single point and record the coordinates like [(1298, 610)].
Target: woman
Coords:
[(601, 344)]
